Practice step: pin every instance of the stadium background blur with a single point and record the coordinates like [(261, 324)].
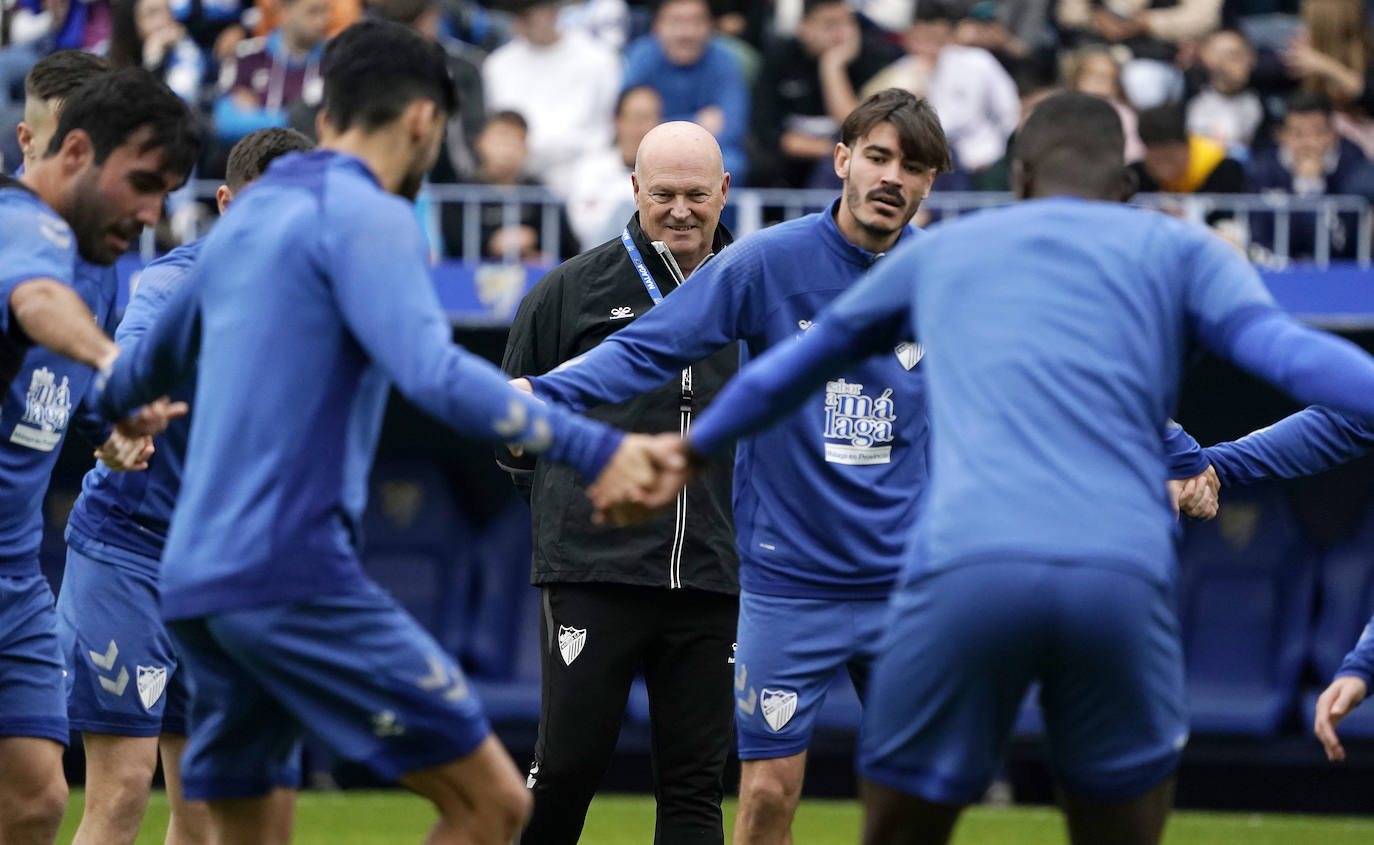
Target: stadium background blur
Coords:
[(1274, 591)]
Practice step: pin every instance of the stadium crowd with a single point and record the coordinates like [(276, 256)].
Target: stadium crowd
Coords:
[(1217, 97)]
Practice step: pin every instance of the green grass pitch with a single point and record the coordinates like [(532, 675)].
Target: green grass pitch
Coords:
[(373, 818)]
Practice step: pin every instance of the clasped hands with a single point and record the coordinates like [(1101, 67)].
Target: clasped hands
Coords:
[(642, 478)]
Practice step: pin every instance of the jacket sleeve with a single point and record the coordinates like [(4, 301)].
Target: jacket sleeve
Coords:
[(1308, 442), (532, 347)]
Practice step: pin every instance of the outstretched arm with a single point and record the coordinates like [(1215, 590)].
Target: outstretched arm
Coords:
[(1308, 442)]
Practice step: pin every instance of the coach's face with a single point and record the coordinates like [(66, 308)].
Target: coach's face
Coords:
[(680, 192), (882, 190), (107, 205)]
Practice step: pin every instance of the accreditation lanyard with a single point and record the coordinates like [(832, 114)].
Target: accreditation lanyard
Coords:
[(657, 296), (644, 275)]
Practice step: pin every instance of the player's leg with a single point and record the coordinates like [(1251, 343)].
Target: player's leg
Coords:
[(33, 792), (960, 649), (594, 640), (119, 660), (242, 757), (789, 652), (1135, 820), (33, 717), (119, 775), (481, 798), (691, 706), (189, 822), (1115, 705), (375, 687)]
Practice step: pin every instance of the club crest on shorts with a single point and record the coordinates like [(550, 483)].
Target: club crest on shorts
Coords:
[(778, 707), (570, 642), (152, 680)]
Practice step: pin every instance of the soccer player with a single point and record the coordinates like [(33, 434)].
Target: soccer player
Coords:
[(1055, 330), (812, 590), (121, 142), (309, 296), (124, 691)]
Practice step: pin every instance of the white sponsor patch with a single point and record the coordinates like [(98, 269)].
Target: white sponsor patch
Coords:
[(778, 705), (152, 680), (854, 456), (47, 408), (571, 641), (858, 426)]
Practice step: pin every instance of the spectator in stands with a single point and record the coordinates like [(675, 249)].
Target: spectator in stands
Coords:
[(1335, 55), (565, 84), (807, 86), (215, 25), (272, 14), (458, 162), (608, 21), (1151, 29), (1008, 29), (1311, 159), (143, 33), (1179, 163), (698, 79), (501, 154), (601, 198), (1227, 110), (975, 97), (1095, 70), (268, 76)]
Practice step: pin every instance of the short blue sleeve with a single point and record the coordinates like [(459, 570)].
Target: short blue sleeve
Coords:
[(34, 244)]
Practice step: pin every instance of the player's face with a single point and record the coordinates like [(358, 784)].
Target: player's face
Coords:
[(680, 201), (108, 205), (882, 189)]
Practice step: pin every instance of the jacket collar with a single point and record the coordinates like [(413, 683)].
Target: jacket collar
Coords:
[(831, 234), (655, 264)]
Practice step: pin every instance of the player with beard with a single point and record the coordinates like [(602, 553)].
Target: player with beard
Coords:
[(812, 586), (310, 295), (90, 184)]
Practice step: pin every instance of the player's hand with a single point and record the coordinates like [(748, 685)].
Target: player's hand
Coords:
[(634, 485), (1198, 497), (1333, 706), (152, 418), (125, 454)]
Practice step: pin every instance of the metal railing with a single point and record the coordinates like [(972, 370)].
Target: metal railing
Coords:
[(753, 208)]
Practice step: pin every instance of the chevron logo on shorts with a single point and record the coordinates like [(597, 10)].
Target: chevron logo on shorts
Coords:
[(571, 642), (152, 680), (778, 707)]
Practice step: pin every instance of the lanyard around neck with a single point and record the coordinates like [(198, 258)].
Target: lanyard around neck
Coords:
[(644, 275)]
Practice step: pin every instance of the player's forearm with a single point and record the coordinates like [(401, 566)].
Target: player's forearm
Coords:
[(775, 384), (1185, 455), (53, 315), (1306, 443), (1312, 366)]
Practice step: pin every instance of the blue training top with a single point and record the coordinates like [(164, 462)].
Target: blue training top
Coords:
[(132, 510), (44, 391), (1056, 330), (309, 295), (822, 501)]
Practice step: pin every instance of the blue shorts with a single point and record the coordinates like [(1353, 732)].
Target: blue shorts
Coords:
[(122, 676), (788, 654), (963, 646), (32, 702), (363, 676)]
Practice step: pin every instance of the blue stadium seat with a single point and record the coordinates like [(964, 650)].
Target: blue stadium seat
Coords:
[(1247, 582), (502, 648), (1346, 599), (416, 545)]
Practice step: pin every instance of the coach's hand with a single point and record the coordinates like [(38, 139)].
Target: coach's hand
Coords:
[(1198, 497), (632, 487), (1333, 706), (522, 385), (152, 418), (125, 454)]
